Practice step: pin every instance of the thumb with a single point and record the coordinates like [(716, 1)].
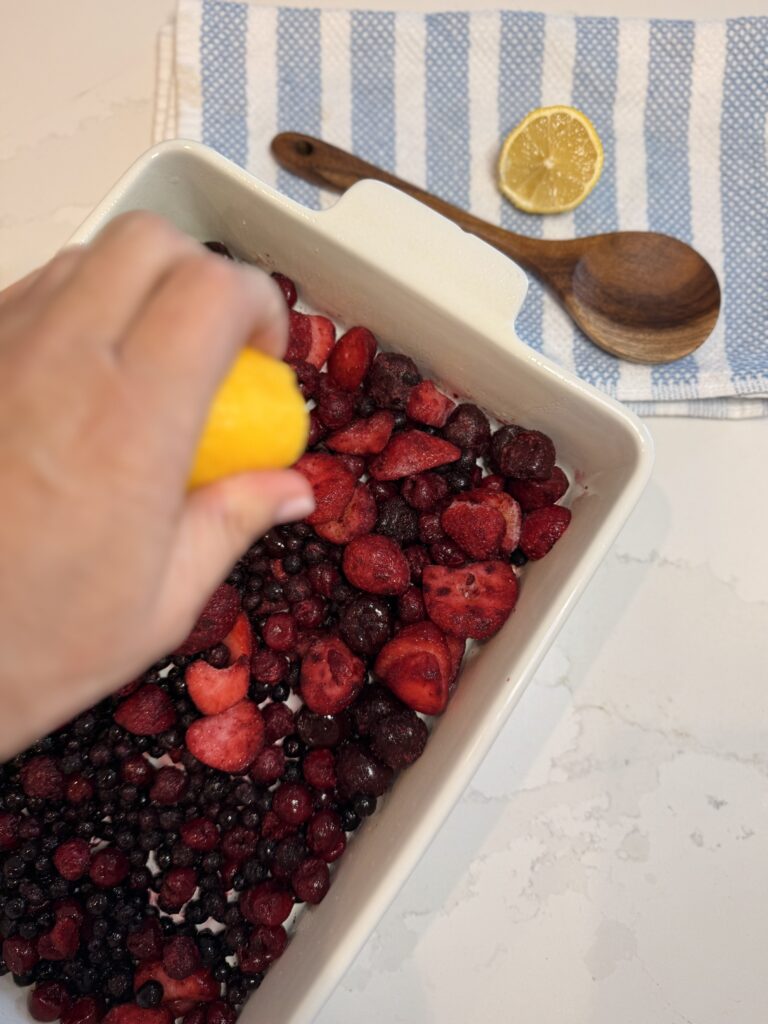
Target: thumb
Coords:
[(218, 524)]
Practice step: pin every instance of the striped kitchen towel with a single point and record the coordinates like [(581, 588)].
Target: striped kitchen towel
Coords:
[(681, 107)]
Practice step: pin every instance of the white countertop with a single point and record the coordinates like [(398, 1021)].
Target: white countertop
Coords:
[(609, 861)]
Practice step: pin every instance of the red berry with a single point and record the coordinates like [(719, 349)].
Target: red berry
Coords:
[(417, 557), (169, 786), (61, 942), (146, 712), (287, 287), (146, 941), (358, 518), (331, 676), (48, 1001), (216, 689), (390, 380), (332, 483), (269, 765), (364, 437), (72, 858), (533, 494), (319, 768), (268, 903), (311, 338), (292, 803), (542, 528), (472, 602), (214, 622), (398, 740), (265, 946), (410, 606), (198, 987), (86, 1010), (78, 789), (9, 836), (476, 528), (19, 954), (416, 666), (351, 358), (468, 428), (424, 491), (136, 770), (310, 613), (278, 721), (268, 667), (376, 564), (239, 843), (42, 778), (311, 880), (178, 886), (428, 405), (325, 835), (219, 1013), (230, 740), (199, 834), (523, 454), (335, 407), (360, 773), (108, 867), (180, 956), (412, 451), (279, 632), (131, 1013)]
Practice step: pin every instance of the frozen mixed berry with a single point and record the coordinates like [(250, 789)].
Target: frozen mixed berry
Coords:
[(399, 739), (542, 528), (533, 494), (523, 454), (391, 379)]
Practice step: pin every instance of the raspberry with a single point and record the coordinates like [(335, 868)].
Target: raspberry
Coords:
[(319, 769), (169, 786), (376, 564), (108, 868), (41, 778), (72, 859)]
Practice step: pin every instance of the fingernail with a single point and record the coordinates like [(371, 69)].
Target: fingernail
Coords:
[(295, 508)]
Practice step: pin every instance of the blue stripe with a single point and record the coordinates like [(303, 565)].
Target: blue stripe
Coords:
[(667, 117), (447, 106), (299, 89), (372, 52), (521, 61), (744, 190), (223, 77), (595, 72)]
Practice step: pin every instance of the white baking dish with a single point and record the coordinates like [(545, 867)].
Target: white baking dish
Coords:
[(448, 300)]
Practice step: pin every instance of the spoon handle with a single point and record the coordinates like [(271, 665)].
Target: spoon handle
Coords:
[(322, 164)]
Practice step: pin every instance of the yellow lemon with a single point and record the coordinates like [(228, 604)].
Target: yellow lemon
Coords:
[(258, 420), (551, 161)]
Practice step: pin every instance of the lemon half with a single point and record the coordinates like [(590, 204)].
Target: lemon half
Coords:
[(258, 420), (551, 161)]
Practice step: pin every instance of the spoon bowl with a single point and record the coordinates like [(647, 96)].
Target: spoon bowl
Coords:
[(639, 295)]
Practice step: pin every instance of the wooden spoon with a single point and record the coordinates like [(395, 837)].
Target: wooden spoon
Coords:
[(639, 295)]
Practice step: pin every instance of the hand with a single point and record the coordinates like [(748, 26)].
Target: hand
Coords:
[(109, 358)]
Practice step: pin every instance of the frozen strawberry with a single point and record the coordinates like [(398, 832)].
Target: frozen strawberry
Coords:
[(332, 483), (470, 602), (72, 859), (42, 778), (331, 676), (61, 942), (523, 454), (376, 564), (428, 405), (198, 987), (357, 520), (132, 1013), (48, 1001), (477, 529), (507, 506), (239, 640), (214, 622), (268, 903), (129, 688), (412, 451), (533, 494), (286, 286), (364, 437), (416, 666), (148, 711), (311, 339), (352, 358), (542, 529), (19, 954), (230, 740), (215, 689)]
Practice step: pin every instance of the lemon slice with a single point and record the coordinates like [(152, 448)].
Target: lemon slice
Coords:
[(258, 420), (551, 161)]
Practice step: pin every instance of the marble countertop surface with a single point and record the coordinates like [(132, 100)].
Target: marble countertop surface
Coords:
[(609, 860)]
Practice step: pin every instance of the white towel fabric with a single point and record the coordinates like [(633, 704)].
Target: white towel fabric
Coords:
[(681, 108)]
